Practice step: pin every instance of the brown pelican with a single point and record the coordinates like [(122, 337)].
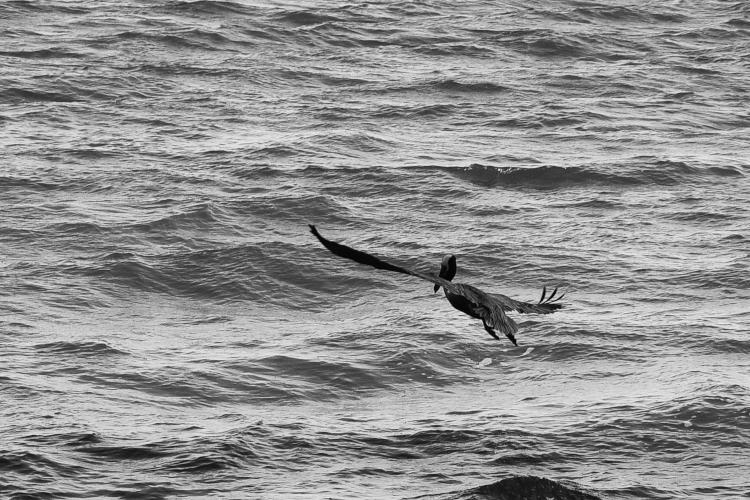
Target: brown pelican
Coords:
[(489, 307)]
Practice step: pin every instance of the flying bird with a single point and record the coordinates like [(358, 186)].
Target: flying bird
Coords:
[(489, 307)]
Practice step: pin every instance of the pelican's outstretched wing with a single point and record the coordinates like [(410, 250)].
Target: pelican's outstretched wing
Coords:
[(371, 260), (478, 303)]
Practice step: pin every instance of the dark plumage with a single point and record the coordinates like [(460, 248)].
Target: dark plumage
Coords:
[(488, 307)]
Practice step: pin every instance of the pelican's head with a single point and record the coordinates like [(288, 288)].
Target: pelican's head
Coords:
[(447, 269)]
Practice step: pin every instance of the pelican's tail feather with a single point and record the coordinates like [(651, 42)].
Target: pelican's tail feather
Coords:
[(549, 300)]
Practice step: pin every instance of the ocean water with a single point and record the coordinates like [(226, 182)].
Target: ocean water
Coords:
[(169, 328)]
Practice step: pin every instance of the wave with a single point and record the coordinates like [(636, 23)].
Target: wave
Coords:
[(19, 95), (79, 348), (713, 416), (570, 351), (180, 277), (51, 53), (274, 379), (63, 90), (660, 173), (27, 183), (326, 379), (305, 18), (414, 111), (179, 37), (719, 411), (208, 7), (249, 273), (479, 87), (23, 7), (517, 488), (36, 464), (118, 453), (62, 228), (530, 488), (621, 13)]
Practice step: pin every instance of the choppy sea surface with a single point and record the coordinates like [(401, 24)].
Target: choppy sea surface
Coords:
[(170, 329)]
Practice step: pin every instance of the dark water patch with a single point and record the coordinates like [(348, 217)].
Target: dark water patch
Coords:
[(210, 320), (36, 465), (362, 141), (415, 9), (704, 216), (440, 366), (436, 442), (200, 464), (11, 183), (727, 278), (79, 349), (79, 439), (16, 324), (450, 86), (232, 450), (291, 443), (527, 488), (255, 384), (734, 237), (697, 70), (610, 13), (119, 453), (119, 256), (92, 153), (146, 491), (18, 96), (182, 387), (188, 38), (658, 172), (363, 472), (456, 49), (51, 53), (670, 427), (325, 77), (544, 177), (561, 351), (410, 112), (553, 46), (209, 39), (534, 459), (171, 68), (73, 228), (197, 217), (440, 442), (726, 171), (478, 87), (271, 273), (200, 274), (268, 152), (623, 13), (719, 412), (208, 7), (333, 377), (65, 92), (597, 204), (21, 7), (738, 23), (295, 207), (305, 18)]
